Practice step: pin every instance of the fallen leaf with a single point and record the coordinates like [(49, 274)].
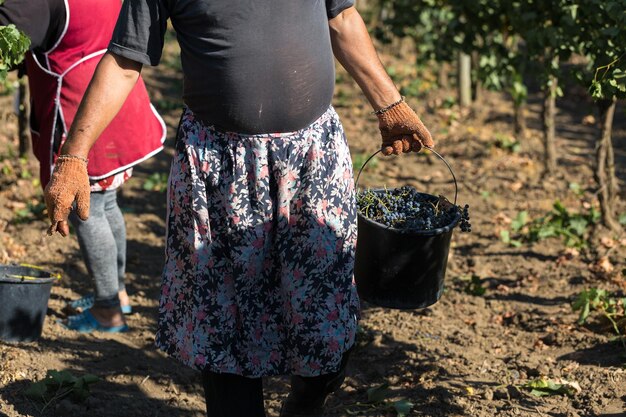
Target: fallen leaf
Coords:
[(589, 120), (516, 186), (608, 242), (502, 219), (542, 387), (603, 265)]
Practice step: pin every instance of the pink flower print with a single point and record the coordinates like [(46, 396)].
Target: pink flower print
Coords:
[(228, 280), (195, 257), (296, 319), (264, 172), (333, 345), (256, 361), (258, 243), (236, 219), (200, 361), (274, 356), (333, 315), (284, 211)]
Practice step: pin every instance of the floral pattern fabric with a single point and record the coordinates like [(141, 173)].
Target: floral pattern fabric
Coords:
[(261, 234)]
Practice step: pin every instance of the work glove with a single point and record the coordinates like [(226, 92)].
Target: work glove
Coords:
[(69, 183), (402, 130)]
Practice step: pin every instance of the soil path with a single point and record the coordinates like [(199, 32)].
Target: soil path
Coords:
[(467, 355)]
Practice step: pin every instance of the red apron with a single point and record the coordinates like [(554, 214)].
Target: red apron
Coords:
[(58, 79)]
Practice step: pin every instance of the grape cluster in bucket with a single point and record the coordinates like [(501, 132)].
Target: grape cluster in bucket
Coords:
[(406, 208)]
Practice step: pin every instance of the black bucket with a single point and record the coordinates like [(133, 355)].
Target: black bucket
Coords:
[(24, 294), (398, 268)]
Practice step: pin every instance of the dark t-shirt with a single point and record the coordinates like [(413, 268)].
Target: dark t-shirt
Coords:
[(43, 21), (250, 66)]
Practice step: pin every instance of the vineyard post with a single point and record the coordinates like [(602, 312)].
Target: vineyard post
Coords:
[(478, 85), (548, 116), (442, 75), (23, 112), (605, 165), (464, 79)]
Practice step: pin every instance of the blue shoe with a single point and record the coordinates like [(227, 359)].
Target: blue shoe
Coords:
[(85, 322), (87, 301)]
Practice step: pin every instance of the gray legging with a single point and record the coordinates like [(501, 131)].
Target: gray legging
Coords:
[(102, 240)]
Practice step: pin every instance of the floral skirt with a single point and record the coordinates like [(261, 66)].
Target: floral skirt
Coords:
[(261, 234)]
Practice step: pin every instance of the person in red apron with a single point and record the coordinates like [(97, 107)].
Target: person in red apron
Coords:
[(68, 39)]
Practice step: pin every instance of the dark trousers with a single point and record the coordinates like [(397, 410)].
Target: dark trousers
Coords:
[(229, 395)]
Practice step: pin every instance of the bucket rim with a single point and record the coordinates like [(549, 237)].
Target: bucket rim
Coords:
[(431, 232), (27, 280), (9, 275)]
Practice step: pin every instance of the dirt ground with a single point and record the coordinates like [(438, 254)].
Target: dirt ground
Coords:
[(467, 355)]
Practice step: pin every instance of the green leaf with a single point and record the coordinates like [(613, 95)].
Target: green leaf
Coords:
[(61, 377), (505, 236), (546, 231), (37, 391), (622, 218), (378, 394), (403, 407), (519, 221), (575, 187), (542, 387), (90, 379), (578, 225)]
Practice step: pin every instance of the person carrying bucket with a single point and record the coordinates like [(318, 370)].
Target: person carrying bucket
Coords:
[(68, 39), (261, 223)]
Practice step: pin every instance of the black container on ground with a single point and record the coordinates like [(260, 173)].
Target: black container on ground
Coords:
[(403, 269), (24, 294)]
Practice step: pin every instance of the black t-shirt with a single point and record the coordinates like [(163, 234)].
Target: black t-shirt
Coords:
[(250, 66), (42, 21)]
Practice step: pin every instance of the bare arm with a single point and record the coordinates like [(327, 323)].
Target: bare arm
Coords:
[(354, 49), (401, 129), (111, 84)]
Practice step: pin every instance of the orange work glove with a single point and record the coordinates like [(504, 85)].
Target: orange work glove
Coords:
[(69, 182), (402, 130)]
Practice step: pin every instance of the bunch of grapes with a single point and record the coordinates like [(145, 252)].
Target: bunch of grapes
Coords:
[(406, 208)]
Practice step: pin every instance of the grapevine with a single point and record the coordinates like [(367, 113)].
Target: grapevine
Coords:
[(13, 45)]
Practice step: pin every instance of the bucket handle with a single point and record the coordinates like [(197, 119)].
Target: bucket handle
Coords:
[(456, 186)]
